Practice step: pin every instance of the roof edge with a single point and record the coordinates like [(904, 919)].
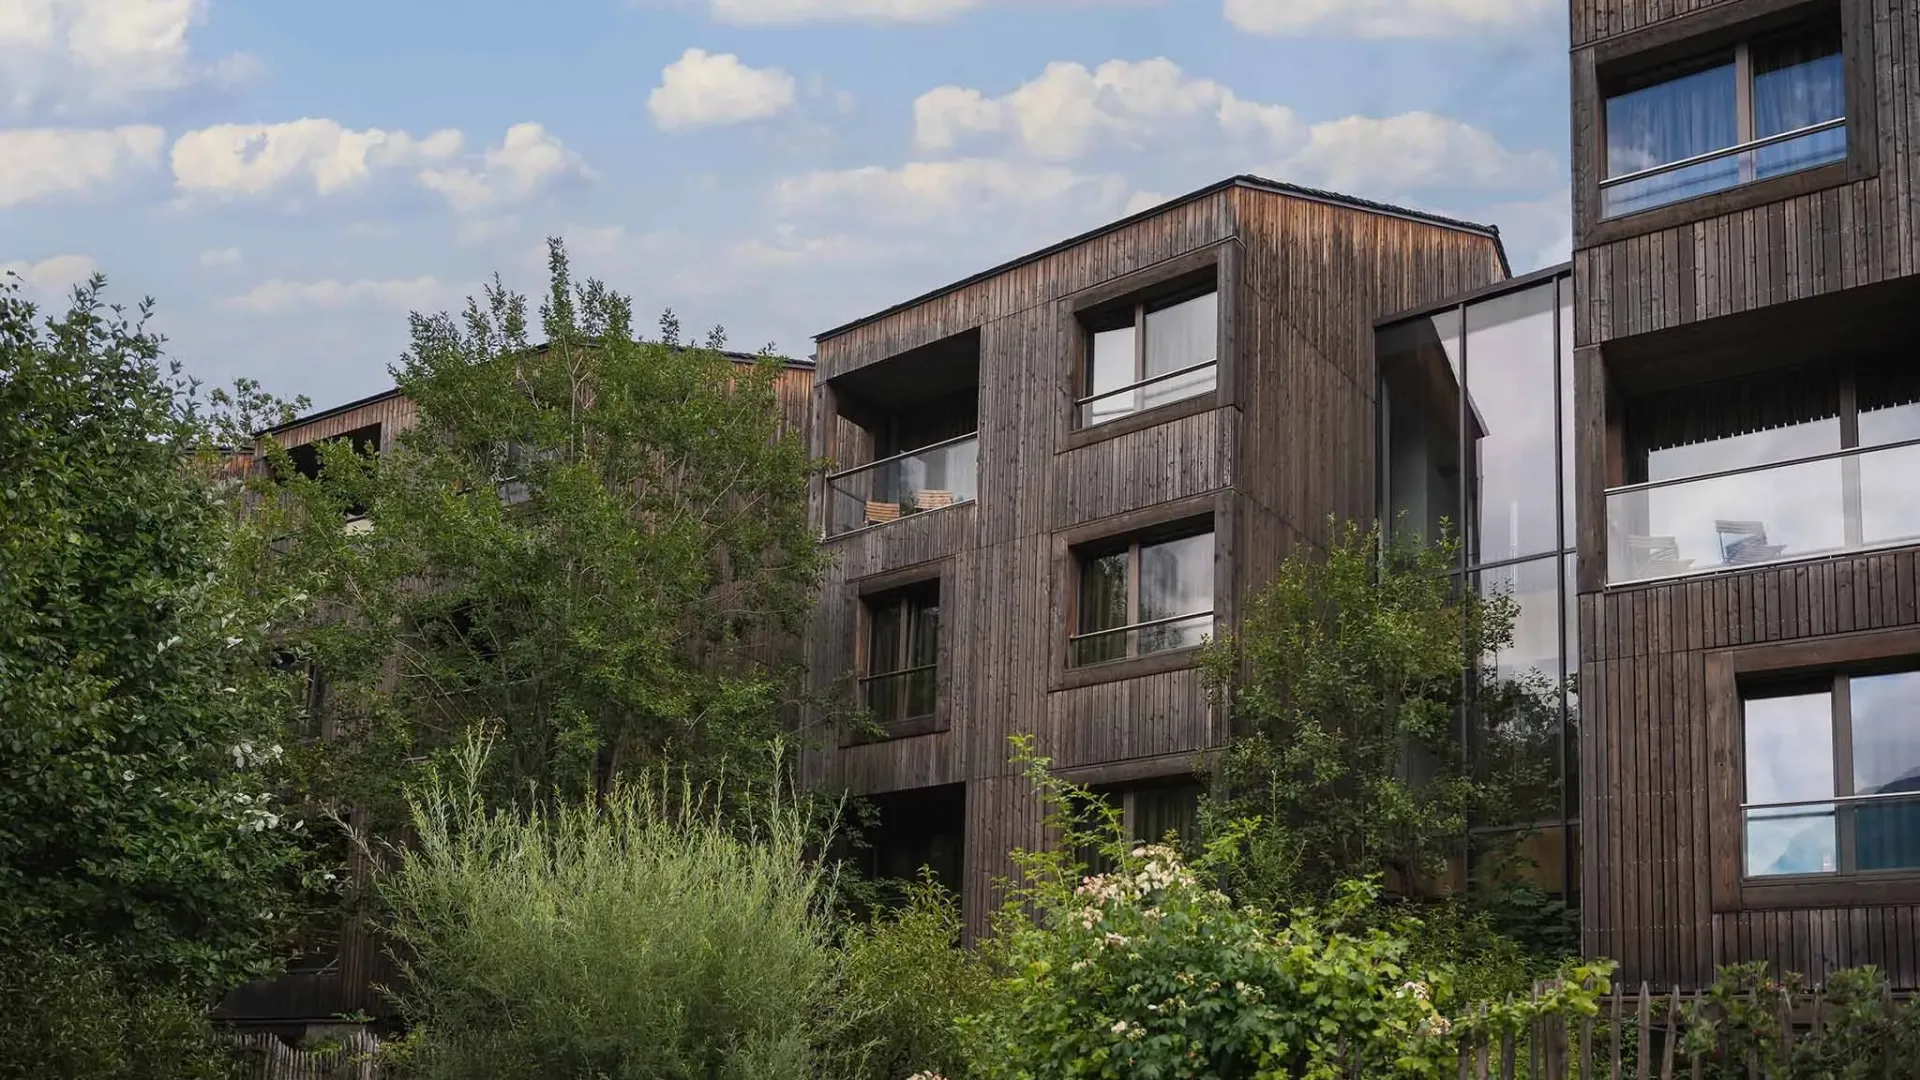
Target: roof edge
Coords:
[(1244, 180)]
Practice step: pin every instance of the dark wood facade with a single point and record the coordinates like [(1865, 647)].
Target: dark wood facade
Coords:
[(1808, 269), (1284, 441)]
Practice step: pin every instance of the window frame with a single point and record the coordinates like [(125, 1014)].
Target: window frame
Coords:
[(1133, 547), (1734, 676), (1137, 311), (1104, 534), (912, 602), (1077, 313), (1600, 69), (880, 589)]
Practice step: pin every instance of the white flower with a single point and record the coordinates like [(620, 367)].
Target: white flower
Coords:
[(232, 641), (127, 776), (1119, 1027)]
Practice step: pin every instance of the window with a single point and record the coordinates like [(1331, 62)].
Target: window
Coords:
[(1763, 108), (903, 652), (1149, 812), (1149, 595), (1832, 784), (1149, 354)]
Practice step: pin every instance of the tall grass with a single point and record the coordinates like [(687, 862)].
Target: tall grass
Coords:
[(649, 935)]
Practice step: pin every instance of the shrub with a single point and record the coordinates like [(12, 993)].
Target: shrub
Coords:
[(643, 937), (65, 1012), (904, 982)]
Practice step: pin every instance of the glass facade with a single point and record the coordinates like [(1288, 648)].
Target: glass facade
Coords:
[(1476, 430)]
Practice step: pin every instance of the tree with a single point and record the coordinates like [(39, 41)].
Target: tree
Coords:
[(594, 547), (138, 725), (1344, 684)]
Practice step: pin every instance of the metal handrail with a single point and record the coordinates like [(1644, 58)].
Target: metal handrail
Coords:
[(897, 674), (1837, 800), (1741, 470), (1162, 377), (1714, 155), (1141, 625), (903, 454)]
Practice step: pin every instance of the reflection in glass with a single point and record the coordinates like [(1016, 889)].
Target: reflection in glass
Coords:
[(1181, 336), (1113, 359), (1886, 761), (1889, 397), (1517, 696), (1672, 121), (1789, 758), (1863, 499), (1798, 82), (1566, 410), (1509, 387), (928, 479), (1169, 606), (903, 649), (1420, 413)]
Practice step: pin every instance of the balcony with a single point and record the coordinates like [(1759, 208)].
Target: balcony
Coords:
[(1828, 504), (930, 478)]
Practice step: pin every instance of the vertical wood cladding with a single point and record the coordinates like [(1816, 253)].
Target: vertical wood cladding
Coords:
[(1857, 232), (1646, 795), (1290, 442)]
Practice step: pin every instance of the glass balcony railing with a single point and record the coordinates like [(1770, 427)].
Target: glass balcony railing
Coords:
[(1718, 170), (1826, 505), (1140, 639), (901, 695), (932, 477)]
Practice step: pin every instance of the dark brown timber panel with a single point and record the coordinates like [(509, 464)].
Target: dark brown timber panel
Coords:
[(1284, 442)]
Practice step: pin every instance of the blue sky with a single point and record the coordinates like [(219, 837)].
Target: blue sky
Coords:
[(287, 181)]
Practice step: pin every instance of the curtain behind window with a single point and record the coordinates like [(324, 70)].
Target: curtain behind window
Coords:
[(1798, 81)]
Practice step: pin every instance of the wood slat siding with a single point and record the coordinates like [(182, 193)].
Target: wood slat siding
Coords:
[(1292, 442), (1646, 789), (1811, 244)]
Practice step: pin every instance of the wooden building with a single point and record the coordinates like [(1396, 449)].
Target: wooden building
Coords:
[(1057, 477), (1746, 191)]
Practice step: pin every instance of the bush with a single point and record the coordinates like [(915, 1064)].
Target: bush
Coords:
[(64, 1012), (904, 982), (643, 937)]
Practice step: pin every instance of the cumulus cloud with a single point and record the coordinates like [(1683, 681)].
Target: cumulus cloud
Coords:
[(956, 192), (36, 163), (69, 53), (703, 89), (54, 274), (278, 296), (1384, 18), (527, 160), (1069, 110), (792, 11), (1414, 151), (244, 160)]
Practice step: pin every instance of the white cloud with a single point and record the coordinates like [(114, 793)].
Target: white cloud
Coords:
[(55, 274), (102, 52), (1383, 18), (792, 11), (1069, 110), (220, 257), (702, 89), (229, 160), (961, 193), (527, 160), (1537, 232), (1412, 151), (1143, 200), (279, 296), (39, 162)]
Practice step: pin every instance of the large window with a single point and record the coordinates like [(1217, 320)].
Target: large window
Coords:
[(1765, 107), (902, 654), (1150, 812), (1832, 776), (1146, 595), (1476, 432), (1769, 467), (1151, 353)]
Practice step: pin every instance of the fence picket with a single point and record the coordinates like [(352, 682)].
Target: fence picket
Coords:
[(1617, 1037), (1673, 1036)]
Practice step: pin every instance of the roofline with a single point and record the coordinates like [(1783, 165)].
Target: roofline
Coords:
[(1484, 292), (1245, 180), (789, 363)]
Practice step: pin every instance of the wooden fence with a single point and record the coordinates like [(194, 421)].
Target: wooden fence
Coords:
[(1778, 1034), (347, 1056)]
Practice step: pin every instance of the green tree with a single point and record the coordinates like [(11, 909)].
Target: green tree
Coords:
[(594, 547), (138, 726), (1344, 684)]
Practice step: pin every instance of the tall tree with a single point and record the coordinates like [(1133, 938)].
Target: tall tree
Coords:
[(592, 546), (138, 726)]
